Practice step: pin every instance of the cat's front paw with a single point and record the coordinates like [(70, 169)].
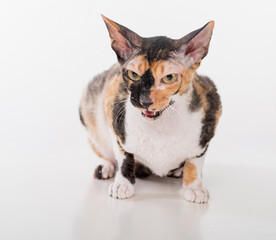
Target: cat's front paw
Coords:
[(196, 195), (121, 190)]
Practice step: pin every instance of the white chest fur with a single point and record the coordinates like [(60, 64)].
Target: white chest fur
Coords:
[(166, 142)]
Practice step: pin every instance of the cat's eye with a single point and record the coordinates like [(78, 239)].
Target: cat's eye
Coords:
[(133, 75), (170, 78)]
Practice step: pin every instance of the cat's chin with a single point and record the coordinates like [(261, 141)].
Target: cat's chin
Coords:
[(150, 115)]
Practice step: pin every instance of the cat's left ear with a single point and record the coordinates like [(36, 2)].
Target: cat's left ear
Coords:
[(123, 41), (195, 45)]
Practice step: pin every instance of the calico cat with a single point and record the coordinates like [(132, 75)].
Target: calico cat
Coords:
[(151, 113)]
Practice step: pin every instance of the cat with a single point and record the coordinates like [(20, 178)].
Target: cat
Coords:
[(151, 113)]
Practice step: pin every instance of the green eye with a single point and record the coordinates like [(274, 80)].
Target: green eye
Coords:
[(170, 78), (133, 75)]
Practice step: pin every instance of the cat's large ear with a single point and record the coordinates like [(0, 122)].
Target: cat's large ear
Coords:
[(195, 45), (123, 41)]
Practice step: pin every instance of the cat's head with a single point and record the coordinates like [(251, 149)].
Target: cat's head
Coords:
[(158, 68)]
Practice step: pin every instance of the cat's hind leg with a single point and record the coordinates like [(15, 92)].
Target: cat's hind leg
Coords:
[(192, 181), (177, 172), (141, 171), (105, 168)]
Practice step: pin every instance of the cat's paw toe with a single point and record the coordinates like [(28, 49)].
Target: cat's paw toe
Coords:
[(104, 171), (196, 195), (121, 190)]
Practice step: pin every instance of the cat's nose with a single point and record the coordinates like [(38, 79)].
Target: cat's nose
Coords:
[(145, 101)]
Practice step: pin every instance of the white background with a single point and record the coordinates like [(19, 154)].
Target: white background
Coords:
[(50, 49)]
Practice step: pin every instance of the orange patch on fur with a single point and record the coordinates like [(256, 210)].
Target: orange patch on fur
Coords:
[(218, 114), (161, 93), (189, 173), (157, 68), (138, 64), (111, 92), (120, 146), (186, 77), (161, 97)]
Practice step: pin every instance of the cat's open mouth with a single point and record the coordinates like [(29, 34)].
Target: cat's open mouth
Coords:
[(151, 115)]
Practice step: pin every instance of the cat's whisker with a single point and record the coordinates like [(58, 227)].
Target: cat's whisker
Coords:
[(119, 116), (123, 101), (120, 107), (171, 92), (171, 115), (191, 104), (121, 110), (117, 103), (168, 112), (177, 113)]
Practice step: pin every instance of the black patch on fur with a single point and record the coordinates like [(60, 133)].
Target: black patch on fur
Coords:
[(140, 90), (96, 85), (170, 174), (94, 88), (141, 171), (186, 39), (214, 103), (116, 165), (128, 167), (98, 172), (157, 48), (81, 117), (119, 144), (170, 103), (178, 89), (180, 166), (118, 112), (195, 103), (205, 150)]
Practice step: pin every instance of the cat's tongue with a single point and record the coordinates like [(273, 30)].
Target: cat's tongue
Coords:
[(149, 113)]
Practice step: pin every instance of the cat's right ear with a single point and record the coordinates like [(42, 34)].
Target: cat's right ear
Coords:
[(123, 41)]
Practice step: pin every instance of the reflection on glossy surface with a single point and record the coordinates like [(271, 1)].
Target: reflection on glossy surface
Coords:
[(157, 211), (55, 197)]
